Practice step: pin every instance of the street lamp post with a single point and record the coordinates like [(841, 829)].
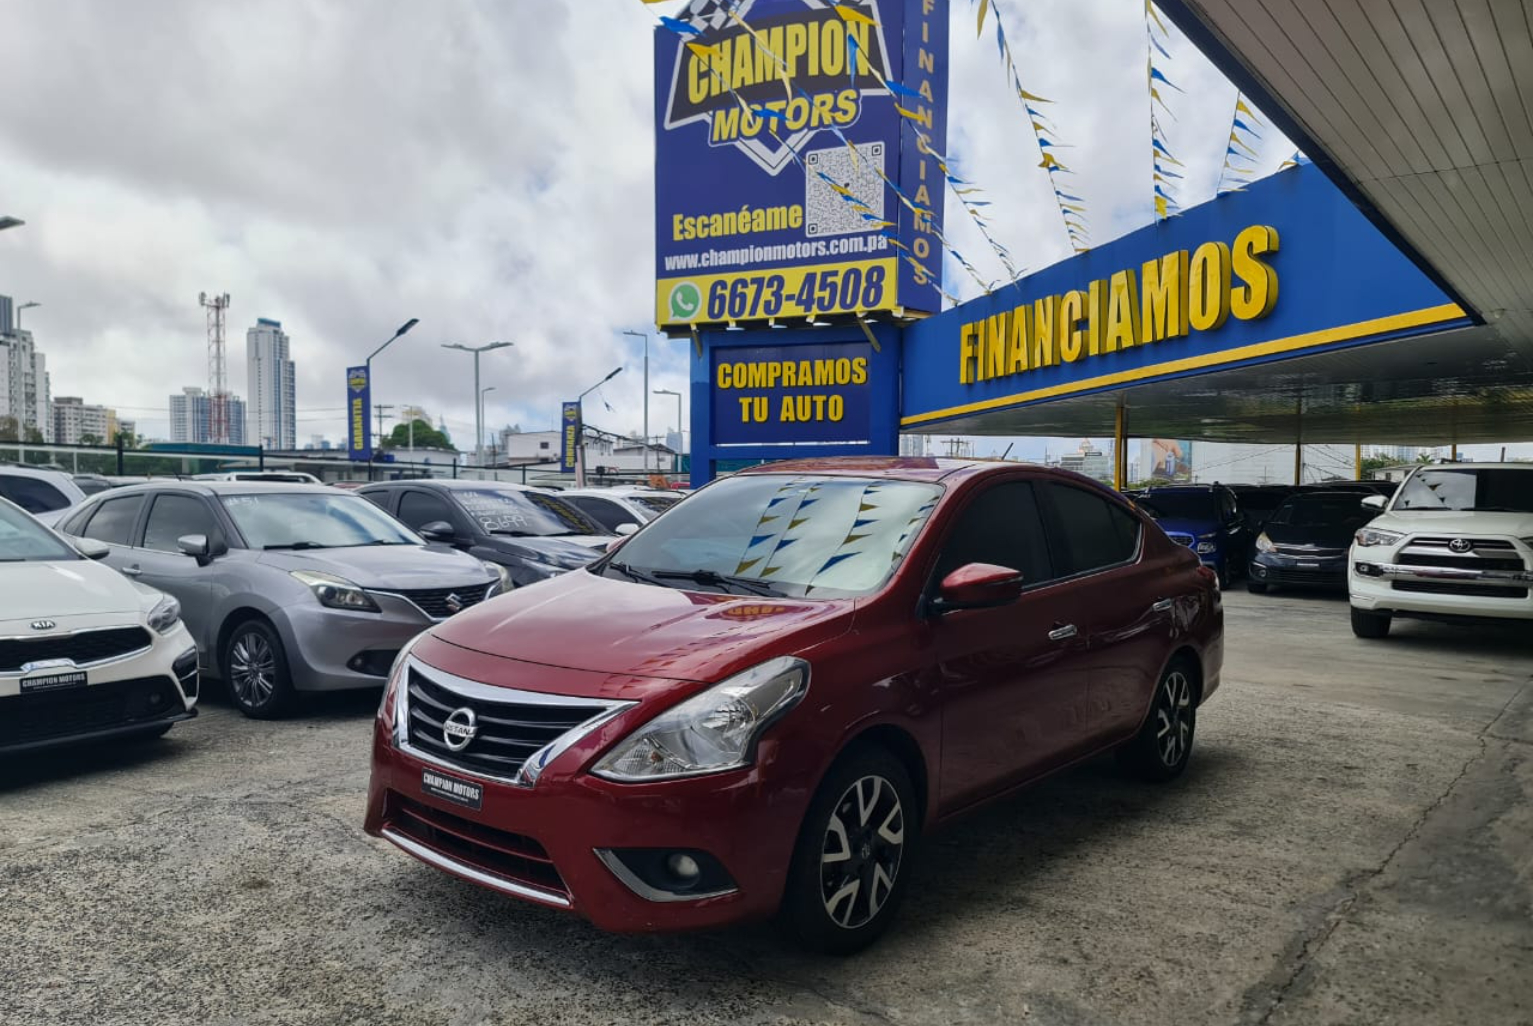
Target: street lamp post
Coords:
[(478, 408), (482, 391), (24, 306), (580, 467), (403, 328), (645, 337), (676, 468)]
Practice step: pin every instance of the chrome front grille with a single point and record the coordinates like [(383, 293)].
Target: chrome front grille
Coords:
[(516, 733)]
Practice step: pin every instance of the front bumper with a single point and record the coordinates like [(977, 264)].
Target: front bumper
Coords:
[(339, 650), (135, 694), (1293, 570), (545, 843), (1378, 582)]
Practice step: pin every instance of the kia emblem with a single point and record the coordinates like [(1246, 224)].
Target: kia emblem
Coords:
[(43, 625)]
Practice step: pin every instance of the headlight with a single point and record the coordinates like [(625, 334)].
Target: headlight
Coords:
[(390, 702), (165, 615), (502, 582), (716, 730), (1264, 544), (1371, 536), (337, 592)]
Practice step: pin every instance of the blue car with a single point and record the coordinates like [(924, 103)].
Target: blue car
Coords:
[(1206, 519)]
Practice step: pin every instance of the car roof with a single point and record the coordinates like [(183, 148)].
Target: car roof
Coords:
[(224, 488), (48, 472), (452, 484), (897, 468)]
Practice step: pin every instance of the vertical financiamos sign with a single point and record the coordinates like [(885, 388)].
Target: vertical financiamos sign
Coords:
[(789, 180)]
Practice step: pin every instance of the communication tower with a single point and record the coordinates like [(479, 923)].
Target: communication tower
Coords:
[(218, 378)]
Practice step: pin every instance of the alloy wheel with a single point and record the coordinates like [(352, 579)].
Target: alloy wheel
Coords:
[(860, 857), (1173, 718), (252, 669)]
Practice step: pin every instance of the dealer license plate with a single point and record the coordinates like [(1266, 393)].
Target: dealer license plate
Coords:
[(53, 682), (460, 792)]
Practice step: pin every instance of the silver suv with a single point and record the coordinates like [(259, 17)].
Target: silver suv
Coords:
[(285, 587)]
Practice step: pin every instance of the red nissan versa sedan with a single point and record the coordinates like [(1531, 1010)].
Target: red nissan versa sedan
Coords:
[(757, 703)]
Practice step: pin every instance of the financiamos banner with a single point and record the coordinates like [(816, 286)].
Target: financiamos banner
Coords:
[(1164, 299)]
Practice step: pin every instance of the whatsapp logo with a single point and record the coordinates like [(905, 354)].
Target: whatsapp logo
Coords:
[(686, 301)]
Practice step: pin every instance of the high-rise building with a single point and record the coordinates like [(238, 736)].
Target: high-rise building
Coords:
[(76, 422), (1088, 460), (25, 388), (191, 416), (269, 383)]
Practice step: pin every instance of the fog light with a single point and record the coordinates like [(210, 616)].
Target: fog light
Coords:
[(683, 868), (1258, 570)]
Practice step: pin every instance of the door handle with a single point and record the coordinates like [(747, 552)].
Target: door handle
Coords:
[(1062, 633), (1162, 606), (131, 571)]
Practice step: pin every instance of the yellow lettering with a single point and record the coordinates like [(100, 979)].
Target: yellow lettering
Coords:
[(1018, 338), (967, 356), (1208, 298), (995, 345), (837, 408), (787, 410), (790, 375), (1071, 338), (798, 43), (1123, 312), (1044, 319), (1096, 318), (724, 379), (1256, 298), (697, 80), (860, 371), (1163, 297)]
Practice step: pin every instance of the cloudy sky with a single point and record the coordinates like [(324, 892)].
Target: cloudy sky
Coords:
[(483, 166)]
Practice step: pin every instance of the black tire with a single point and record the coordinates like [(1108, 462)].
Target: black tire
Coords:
[(255, 671), (1369, 625), (1256, 587), (1161, 749), (865, 820)]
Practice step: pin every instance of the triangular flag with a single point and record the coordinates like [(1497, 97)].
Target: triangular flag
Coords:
[(979, 27), (852, 14), (1036, 99), (1241, 108)]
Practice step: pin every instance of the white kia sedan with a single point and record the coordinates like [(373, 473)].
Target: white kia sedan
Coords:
[(85, 653)]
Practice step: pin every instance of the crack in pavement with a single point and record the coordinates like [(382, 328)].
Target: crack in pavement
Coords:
[(1354, 885)]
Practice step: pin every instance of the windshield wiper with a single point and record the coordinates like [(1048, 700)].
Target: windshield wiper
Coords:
[(295, 545), (635, 573), (718, 580), (511, 532)]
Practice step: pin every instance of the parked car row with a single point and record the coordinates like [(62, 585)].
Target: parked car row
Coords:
[(276, 587)]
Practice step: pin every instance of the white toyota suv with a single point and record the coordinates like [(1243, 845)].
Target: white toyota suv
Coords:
[(1455, 542), (85, 653)]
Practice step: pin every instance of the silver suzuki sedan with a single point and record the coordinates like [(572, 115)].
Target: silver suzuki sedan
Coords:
[(285, 587)]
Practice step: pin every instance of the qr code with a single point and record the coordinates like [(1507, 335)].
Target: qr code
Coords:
[(826, 211)]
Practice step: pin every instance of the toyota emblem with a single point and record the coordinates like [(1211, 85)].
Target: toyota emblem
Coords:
[(460, 727), (43, 625), (453, 603), (1460, 545)]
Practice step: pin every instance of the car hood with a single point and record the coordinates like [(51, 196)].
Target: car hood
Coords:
[(69, 591), (1175, 525), (1324, 536), (1452, 522), (584, 622), (386, 567), (566, 551)]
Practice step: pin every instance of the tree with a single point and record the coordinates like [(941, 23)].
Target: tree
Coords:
[(426, 437), (10, 430), (1372, 463), (89, 439), (34, 435)]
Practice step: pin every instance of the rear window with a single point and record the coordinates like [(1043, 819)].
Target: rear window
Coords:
[(32, 495)]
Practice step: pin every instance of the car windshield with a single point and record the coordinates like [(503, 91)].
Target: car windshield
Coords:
[(1258, 501), (1323, 511), (781, 535), (23, 539), (1180, 505), (1486, 489), (510, 511), (305, 520)]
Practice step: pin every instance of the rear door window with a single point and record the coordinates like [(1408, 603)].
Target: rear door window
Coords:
[(1095, 532), (605, 512), (31, 494), (114, 519)]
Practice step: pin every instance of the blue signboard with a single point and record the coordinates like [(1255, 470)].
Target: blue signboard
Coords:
[(359, 429), (796, 167), (1286, 267), (802, 393), (569, 438)]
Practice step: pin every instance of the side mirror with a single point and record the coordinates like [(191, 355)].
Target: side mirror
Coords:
[(437, 531), (90, 548), (197, 546), (626, 529), (1374, 501), (977, 586)]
